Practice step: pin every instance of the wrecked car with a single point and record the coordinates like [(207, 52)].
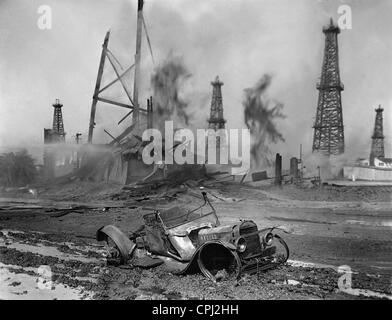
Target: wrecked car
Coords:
[(194, 240)]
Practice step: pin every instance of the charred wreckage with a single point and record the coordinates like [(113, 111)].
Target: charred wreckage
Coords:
[(189, 241)]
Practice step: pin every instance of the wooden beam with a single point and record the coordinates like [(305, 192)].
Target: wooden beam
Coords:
[(114, 139), (97, 86), (115, 80), (149, 114), (119, 78), (126, 116), (126, 132), (139, 27), (120, 104)]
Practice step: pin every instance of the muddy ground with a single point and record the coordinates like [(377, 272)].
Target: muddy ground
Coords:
[(48, 254)]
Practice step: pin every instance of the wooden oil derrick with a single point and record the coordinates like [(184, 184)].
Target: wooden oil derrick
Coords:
[(216, 120), (328, 127), (58, 134), (377, 150)]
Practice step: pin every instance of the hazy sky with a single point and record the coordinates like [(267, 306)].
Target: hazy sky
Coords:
[(239, 40)]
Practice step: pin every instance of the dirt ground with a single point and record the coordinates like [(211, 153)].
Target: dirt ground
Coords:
[(47, 255)]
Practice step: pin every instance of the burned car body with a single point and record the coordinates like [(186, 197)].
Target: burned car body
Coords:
[(194, 240)]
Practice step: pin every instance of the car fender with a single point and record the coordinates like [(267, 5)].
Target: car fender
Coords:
[(124, 245), (199, 261)]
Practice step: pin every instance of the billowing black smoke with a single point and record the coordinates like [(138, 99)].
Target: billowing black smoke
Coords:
[(260, 114), (166, 83)]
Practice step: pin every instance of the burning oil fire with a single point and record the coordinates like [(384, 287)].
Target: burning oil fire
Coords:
[(166, 82), (260, 114)]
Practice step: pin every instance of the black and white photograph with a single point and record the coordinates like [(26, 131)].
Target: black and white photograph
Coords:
[(204, 152)]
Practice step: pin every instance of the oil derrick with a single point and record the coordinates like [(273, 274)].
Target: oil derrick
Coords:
[(377, 150), (133, 106), (215, 123), (58, 134), (216, 120), (54, 135), (328, 127)]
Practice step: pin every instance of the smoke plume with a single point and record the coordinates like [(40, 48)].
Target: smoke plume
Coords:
[(260, 114), (331, 167), (167, 81)]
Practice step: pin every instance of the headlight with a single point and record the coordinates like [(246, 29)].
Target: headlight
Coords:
[(268, 238), (241, 245)]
